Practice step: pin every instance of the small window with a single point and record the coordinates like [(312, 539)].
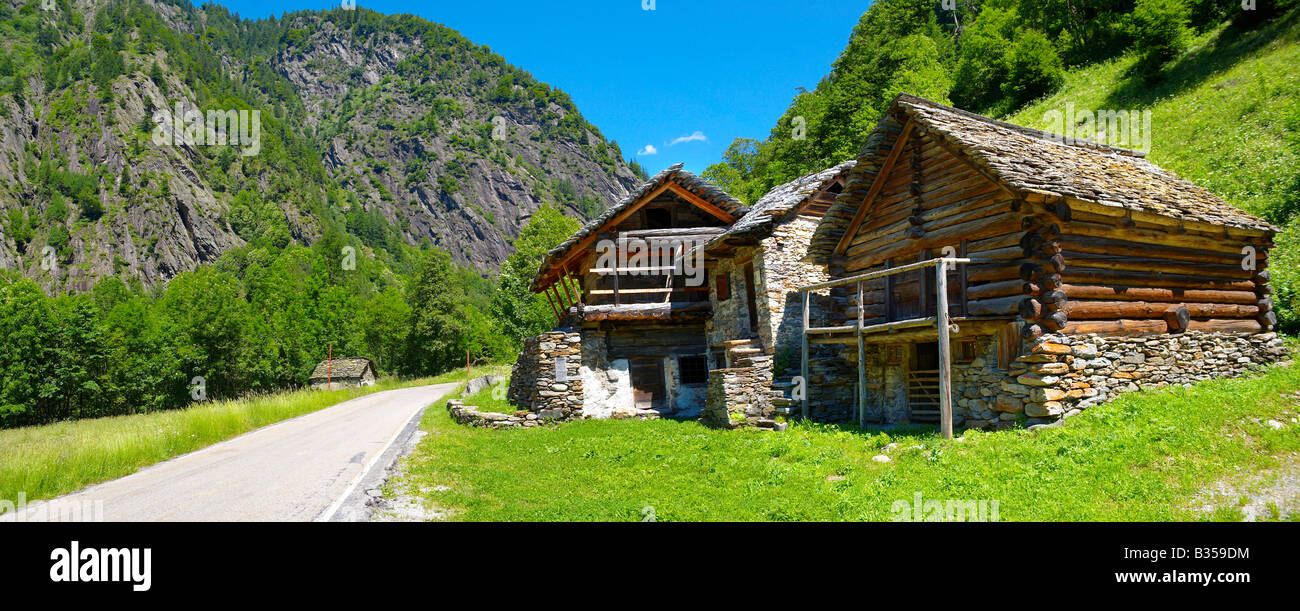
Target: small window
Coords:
[(694, 369), (722, 286), (894, 354), (658, 218), (967, 351)]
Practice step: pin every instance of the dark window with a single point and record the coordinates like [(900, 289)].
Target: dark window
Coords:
[(723, 286), (968, 351), (658, 218), (695, 369)]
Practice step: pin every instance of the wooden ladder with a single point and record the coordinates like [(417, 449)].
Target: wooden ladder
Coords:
[(923, 395)]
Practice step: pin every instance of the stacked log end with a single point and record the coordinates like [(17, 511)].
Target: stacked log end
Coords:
[(1267, 317), (1044, 305), (917, 231)]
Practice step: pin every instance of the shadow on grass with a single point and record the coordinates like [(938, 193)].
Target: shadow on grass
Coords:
[(1142, 85)]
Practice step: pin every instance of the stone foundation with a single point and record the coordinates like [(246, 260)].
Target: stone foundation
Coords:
[(534, 386), (1062, 374)]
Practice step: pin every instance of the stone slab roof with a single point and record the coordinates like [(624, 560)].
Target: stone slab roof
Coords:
[(698, 186), (1032, 161), (347, 367), (762, 216)]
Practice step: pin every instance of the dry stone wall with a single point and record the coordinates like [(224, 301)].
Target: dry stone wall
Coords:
[(546, 379), (1062, 374), (471, 416), (782, 272), (741, 396)]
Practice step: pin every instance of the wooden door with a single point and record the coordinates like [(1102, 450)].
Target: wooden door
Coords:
[(648, 390)]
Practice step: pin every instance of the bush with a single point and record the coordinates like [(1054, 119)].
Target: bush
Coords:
[(1033, 67), (1159, 29)]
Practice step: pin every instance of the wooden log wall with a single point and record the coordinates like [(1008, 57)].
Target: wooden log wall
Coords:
[(1138, 273), (1128, 272), (933, 199)]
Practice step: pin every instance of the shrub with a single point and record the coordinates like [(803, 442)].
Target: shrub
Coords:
[(1033, 67), (1159, 29)]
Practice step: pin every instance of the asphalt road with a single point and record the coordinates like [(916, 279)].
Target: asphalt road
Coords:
[(313, 467)]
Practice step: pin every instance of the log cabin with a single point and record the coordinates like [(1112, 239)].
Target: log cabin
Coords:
[(756, 268), (1073, 271), (631, 297)]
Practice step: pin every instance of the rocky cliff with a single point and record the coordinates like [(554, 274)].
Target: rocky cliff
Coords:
[(389, 127)]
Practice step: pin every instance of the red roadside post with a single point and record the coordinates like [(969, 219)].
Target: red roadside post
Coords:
[(467, 364), (329, 369)]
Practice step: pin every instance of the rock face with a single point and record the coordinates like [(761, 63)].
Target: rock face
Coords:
[(430, 136)]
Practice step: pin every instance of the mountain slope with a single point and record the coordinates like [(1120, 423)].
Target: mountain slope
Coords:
[(381, 126)]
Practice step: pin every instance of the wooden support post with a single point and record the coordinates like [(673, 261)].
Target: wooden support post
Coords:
[(862, 365), (550, 300), (803, 362), (945, 356)]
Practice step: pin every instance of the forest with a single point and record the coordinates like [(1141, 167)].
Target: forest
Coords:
[(259, 320)]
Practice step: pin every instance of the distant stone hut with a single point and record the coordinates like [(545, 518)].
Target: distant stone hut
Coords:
[(756, 268), (1091, 271), (350, 372)]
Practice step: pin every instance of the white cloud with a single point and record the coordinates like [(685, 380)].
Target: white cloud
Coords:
[(698, 135), (648, 149)]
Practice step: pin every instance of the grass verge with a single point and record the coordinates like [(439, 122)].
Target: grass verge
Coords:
[(1147, 456), (55, 459)]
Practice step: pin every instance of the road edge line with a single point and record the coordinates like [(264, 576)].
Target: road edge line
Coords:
[(407, 430)]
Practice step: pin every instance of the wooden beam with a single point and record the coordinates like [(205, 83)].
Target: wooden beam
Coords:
[(699, 202), (869, 201), (582, 244), (554, 308)]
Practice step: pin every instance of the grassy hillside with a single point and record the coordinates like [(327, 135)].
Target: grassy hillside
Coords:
[(1225, 115)]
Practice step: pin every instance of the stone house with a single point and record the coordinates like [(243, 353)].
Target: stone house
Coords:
[(351, 372), (1077, 271), (630, 295), (756, 327)]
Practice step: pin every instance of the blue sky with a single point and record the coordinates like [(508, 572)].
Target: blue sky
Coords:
[(685, 78)]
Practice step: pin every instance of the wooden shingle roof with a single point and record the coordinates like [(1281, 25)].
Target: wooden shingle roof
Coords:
[(762, 216), (1031, 162)]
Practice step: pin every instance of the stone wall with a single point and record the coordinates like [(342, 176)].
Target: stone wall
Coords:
[(1062, 374), (781, 272), (469, 415), (730, 319), (741, 396), (533, 383)]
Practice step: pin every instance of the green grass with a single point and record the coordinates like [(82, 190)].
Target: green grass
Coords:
[(1145, 456), (493, 398), (50, 460)]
